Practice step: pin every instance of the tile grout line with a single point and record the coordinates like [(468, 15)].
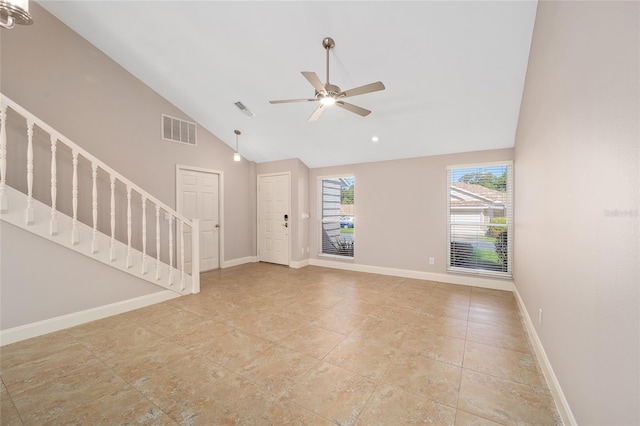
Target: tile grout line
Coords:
[(12, 402), (124, 380)]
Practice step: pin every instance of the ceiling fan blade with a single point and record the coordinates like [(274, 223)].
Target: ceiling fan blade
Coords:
[(315, 81), (353, 108), (286, 101), (316, 113), (367, 88)]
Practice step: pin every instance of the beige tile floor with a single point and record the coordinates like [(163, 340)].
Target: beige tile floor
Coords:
[(265, 344)]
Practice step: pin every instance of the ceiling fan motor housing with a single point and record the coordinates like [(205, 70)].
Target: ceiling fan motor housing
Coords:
[(331, 89)]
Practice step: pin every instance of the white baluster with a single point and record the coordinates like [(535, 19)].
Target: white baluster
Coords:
[(158, 274), (128, 227), (74, 198), (53, 225), (182, 285), (144, 235), (29, 213), (112, 249), (170, 249), (94, 208), (3, 159)]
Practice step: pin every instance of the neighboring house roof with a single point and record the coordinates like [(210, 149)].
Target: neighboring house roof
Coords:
[(346, 209), (469, 195)]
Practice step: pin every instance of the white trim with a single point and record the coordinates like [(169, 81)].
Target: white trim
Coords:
[(321, 220), (239, 261), (220, 174), (300, 264), (480, 165), (39, 328), (552, 381), (336, 176), (4, 100), (479, 272), (288, 174), (336, 256), (508, 206), (496, 284), (15, 216)]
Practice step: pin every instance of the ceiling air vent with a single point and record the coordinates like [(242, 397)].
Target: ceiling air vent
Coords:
[(246, 111), (176, 130)]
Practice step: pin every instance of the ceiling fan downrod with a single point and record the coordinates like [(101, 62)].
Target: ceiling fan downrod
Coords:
[(328, 44)]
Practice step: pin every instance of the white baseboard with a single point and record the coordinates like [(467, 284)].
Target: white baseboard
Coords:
[(239, 261), (473, 281), (554, 386), (39, 328), (300, 264)]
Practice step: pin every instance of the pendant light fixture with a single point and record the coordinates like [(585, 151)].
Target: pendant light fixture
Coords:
[(14, 12), (236, 155)]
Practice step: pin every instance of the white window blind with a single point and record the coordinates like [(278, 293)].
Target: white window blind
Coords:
[(337, 237), (480, 219)]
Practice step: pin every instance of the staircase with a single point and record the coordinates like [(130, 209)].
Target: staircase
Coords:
[(75, 200)]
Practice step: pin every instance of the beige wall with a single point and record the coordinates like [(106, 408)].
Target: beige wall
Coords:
[(74, 87), (577, 162), (385, 235), (64, 282)]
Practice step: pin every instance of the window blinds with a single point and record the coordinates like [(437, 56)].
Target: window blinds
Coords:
[(480, 219)]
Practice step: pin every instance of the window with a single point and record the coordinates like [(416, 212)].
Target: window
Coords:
[(337, 219), (479, 219)]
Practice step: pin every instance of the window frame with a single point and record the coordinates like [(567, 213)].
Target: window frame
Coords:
[(322, 220), (508, 274)]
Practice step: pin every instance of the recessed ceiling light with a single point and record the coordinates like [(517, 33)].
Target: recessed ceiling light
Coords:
[(375, 139)]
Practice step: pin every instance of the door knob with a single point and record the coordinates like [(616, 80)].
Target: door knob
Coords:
[(217, 225), (286, 225)]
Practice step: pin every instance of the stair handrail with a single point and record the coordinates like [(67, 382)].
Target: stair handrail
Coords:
[(32, 119), (6, 101)]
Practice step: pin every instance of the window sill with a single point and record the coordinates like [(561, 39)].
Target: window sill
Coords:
[(481, 273), (335, 256)]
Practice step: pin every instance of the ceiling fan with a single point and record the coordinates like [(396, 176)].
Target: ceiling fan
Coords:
[(329, 94)]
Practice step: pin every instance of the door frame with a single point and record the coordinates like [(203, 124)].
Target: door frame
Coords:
[(178, 199), (288, 174)]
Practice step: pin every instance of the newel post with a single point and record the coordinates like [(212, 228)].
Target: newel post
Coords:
[(171, 249), (74, 198), (144, 235), (94, 207), (158, 272), (195, 256), (3, 158), (29, 218), (53, 224)]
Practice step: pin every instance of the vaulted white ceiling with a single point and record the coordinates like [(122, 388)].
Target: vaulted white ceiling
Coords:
[(454, 71)]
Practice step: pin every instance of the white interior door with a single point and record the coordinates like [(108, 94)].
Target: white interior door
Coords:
[(274, 218), (198, 198)]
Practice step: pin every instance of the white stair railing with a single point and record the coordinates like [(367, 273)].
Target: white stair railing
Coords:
[(162, 273)]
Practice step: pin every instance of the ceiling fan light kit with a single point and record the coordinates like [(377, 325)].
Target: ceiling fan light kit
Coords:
[(329, 94)]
